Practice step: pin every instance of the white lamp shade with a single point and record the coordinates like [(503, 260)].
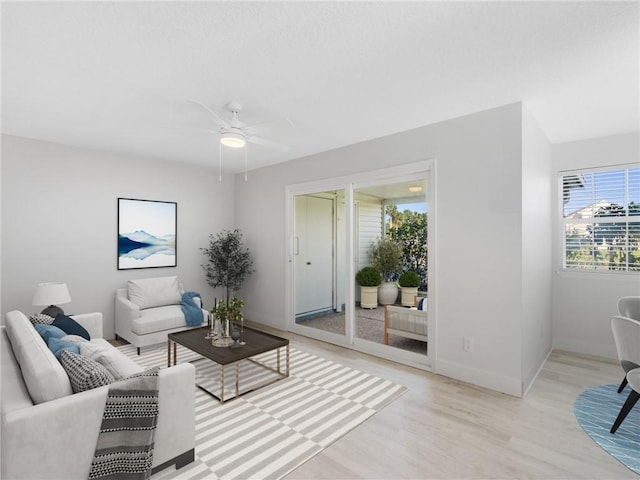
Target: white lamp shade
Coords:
[(54, 293)]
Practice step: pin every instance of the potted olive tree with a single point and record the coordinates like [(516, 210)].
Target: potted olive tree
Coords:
[(229, 262), (409, 282), (386, 255), (368, 278)]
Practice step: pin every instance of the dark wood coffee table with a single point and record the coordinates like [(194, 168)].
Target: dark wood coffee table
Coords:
[(257, 342)]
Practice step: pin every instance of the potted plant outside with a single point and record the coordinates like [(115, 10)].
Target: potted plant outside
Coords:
[(386, 255), (369, 278), (409, 282)]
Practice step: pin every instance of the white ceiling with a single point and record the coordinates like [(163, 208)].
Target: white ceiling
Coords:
[(119, 76)]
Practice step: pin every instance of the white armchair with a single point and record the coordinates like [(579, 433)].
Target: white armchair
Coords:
[(629, 307), (149, 309), (633, 377), (626, 333)]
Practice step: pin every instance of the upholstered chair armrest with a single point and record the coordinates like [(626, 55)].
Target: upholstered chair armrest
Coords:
[(92, 322), (127, 307), (197, 300), (126, 310), (66, 428), (176, 431)]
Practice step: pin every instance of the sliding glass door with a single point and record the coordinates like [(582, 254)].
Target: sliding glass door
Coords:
[(333, 229), (391, 218)]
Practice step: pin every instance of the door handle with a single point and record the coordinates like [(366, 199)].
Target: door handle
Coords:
[(308, 263)]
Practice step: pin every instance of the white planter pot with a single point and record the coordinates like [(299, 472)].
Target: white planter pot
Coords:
[(387, 293), (369, 297), (409, 296)]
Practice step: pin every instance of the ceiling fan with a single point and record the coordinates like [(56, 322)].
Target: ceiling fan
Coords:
[(235, 133)]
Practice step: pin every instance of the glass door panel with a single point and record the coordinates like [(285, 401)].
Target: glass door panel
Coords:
[(319, 261), (397, 213)]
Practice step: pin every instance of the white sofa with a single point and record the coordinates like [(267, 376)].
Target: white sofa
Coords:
[(48, 432), (149, 309)]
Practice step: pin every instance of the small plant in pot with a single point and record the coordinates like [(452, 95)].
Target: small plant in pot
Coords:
[(369, 278), (237, 321), (231, 312), (235, 310), (386, 255), (409, 282)]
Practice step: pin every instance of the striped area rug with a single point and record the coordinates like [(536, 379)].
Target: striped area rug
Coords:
[(274, 429)]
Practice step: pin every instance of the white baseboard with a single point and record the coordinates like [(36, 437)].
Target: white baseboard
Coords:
[(264, 319), (604, 350), (528, 386), (482, 378)]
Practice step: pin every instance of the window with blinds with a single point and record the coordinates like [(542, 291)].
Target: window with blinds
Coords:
[(601, 219)]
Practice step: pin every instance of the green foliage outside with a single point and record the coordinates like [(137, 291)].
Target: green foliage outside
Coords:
[(603, 246), (368, 277), (386, 256), (409, 279), (409, 230)]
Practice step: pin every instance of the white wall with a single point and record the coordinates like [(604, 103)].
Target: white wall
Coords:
[(583, 303), (479, 234), (369, 221), (536, 248), (59, 221)]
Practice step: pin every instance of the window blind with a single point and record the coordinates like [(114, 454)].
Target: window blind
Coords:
[(601, 219)]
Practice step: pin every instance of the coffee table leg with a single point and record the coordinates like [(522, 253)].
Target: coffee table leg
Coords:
[(221, 383), (237, 379), (278, 359), (175, 353), (288, 360)]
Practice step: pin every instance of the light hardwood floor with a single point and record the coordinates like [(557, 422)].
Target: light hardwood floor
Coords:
[(442, 428)]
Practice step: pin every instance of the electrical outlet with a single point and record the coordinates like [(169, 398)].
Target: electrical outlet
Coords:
[(467, 345)]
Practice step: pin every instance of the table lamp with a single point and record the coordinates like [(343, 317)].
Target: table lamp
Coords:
[(51, 294)]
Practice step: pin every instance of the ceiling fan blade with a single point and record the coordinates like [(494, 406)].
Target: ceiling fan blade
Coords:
[(215, 116), (286, 122), (196, 129), (268, 143)]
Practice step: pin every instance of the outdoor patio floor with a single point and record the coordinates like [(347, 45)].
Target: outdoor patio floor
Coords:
[(369, 326)]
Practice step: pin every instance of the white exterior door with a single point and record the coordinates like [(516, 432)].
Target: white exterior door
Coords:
[(314, 238)]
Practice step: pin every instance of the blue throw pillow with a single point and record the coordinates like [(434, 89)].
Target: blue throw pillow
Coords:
[(48, 331), (57, 345), (70, 326)]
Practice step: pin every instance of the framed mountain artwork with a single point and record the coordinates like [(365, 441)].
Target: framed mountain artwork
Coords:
[(147, 233)]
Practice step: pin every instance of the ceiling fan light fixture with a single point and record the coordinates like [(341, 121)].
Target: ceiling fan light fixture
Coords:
[(233, 140)]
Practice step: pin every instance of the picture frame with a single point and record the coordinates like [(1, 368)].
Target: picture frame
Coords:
[(147, 234)]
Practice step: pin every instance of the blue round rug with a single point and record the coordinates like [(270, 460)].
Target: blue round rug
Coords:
[(596, 409)]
